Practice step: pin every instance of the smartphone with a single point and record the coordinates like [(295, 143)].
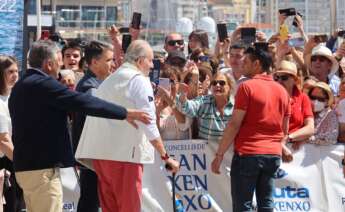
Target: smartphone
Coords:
[(155, 71), (45, 34), (261, 45), (248, 34), (165, 83), (288, 11), (136, 19), (222, 31), (123, 30), (294, 23), (126, 40), (320, 38), (296, 42), (341, 33)]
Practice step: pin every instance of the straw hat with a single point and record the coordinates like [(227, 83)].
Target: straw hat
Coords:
[(287, 67), (321, 50), (325, 87)]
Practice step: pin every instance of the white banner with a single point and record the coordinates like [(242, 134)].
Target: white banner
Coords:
[(71, 190), (312, 182)]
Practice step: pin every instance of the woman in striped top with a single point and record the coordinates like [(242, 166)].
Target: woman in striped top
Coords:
[(212, 111)]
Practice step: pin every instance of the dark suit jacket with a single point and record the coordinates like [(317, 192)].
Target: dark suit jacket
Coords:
[(38, 107), (88, 82)]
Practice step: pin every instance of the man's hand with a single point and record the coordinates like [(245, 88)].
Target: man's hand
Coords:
[(224, 47), (134, 33), (137, 115), (340, 53), (282, 18), (261, 36), (174, 166), (215, 165), (287, 154), (299, 22), (114, 34)]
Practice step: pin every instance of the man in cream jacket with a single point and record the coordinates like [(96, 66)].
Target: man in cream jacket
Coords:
[(118, 151)]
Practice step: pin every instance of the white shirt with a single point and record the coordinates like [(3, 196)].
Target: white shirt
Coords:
[(140, 91), (5, 119)]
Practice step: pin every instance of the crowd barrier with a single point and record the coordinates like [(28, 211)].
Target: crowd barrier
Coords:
[(312, 182)]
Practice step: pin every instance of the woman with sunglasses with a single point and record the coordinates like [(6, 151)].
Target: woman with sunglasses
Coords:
[(301, 122), (212, 111), (326, 118)]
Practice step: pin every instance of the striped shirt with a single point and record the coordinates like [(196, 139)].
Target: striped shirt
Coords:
[(211, 123)]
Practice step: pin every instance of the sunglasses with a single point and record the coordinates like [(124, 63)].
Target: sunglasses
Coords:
[(281, 77), (321, 99), (216, 82), (320, 58), (203, 58), (173, 42)]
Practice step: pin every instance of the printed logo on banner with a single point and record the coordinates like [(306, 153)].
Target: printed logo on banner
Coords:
[(68, 206), (191, 183), (290, 198)]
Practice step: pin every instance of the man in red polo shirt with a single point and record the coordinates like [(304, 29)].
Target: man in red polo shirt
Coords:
[(258, 126)]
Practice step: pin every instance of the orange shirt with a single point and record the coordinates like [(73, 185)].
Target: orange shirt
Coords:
[(300, 110), (266, 103)]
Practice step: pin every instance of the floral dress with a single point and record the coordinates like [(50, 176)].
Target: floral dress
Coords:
[(326, 128)]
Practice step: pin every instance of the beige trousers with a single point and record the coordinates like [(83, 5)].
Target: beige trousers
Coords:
[(42, 189)]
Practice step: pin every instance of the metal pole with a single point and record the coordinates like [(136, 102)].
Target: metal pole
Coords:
[(306, 17), (25, 34), (53, 14), (38, 15), (333, 7), (174, 191)]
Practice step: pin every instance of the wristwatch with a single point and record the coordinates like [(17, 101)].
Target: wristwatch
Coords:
[(165, 157), (289, 139)]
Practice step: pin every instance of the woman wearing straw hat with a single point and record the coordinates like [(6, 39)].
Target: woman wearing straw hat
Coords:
[(301, 122), (326, 118)]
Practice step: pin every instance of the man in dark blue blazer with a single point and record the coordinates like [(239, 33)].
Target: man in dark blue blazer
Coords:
[(38, 107), (99, 59)]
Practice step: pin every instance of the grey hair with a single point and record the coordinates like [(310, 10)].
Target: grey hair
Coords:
[(40, 51), (137, 49), (67, 72)]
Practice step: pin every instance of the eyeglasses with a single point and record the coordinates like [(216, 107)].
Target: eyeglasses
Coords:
[(321, 99), (173, 42), (216, 82), (320, 58), (202, 58), (281, 77)]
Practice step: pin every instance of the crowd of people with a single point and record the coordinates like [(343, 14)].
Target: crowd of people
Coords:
[(266, 98)]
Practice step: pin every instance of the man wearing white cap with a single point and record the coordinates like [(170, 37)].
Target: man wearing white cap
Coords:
[(323, 66)]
